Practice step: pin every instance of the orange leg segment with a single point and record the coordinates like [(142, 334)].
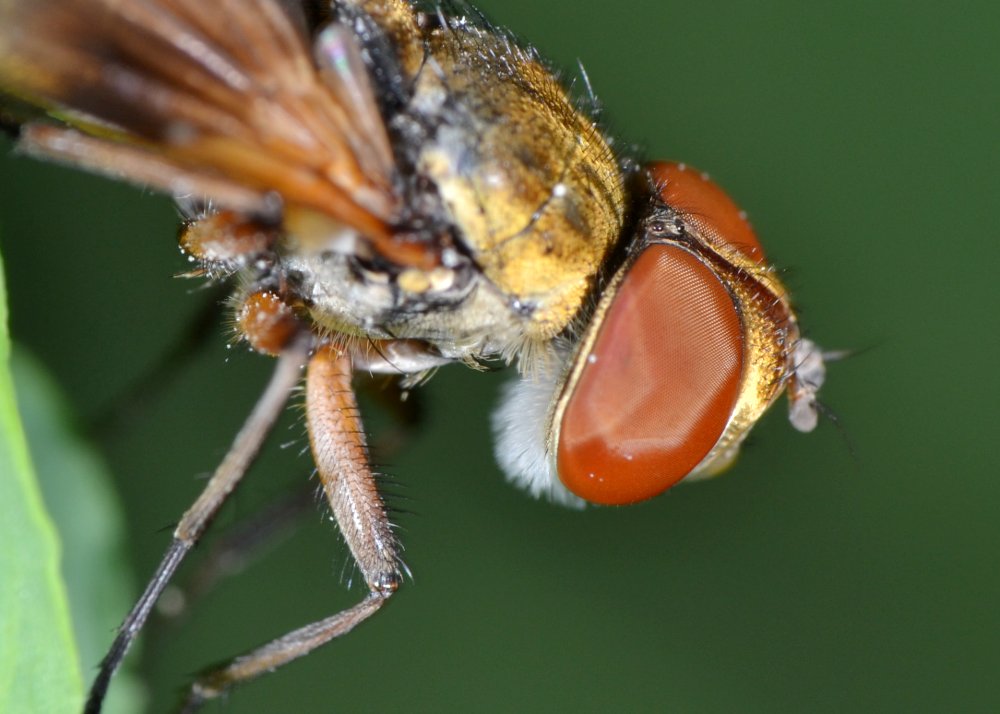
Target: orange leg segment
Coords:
[(341, 455)]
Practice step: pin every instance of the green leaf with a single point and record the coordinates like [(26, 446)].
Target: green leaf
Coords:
[(39, 669), (77, 490)]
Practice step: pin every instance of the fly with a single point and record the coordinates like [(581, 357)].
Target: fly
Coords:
[(394, 188)]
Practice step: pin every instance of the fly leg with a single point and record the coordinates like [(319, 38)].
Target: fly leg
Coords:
[(237, 548), (197, 518), (341, 455)]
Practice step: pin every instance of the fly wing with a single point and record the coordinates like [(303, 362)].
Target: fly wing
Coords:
[(229, 99)]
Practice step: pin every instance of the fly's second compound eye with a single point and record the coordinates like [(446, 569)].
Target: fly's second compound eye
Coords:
[(706, 211)]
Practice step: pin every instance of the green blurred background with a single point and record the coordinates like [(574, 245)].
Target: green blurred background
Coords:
[(853, 569)]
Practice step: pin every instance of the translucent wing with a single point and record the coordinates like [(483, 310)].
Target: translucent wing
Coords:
[(222, 99)]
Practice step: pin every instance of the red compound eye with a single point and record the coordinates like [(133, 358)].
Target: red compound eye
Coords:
[(658, 379), (705, 208), (659, 384)]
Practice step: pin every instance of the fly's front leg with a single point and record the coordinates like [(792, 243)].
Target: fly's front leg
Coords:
[(341, 455), (197, 518)]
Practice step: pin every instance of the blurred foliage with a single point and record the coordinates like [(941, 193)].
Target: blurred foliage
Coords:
[(78, 493), (39, 671)]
